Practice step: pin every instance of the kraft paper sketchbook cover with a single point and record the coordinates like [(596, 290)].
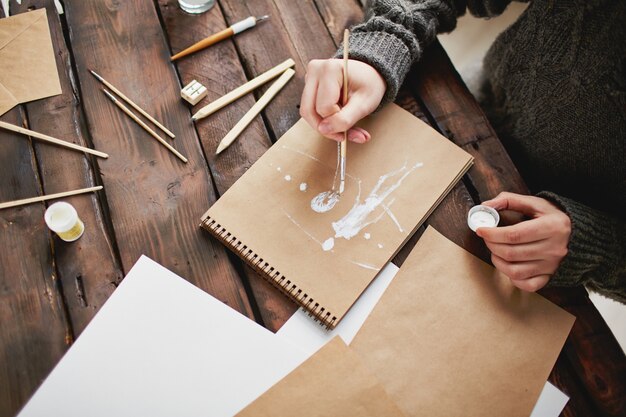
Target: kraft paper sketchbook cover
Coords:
[(321, 255)]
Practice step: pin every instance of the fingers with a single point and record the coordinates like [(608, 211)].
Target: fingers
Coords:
[(534, 251), (528, 276), (525, 204), (524, 232), (307, 103), (356, 134), (344, 119), (328, 94)]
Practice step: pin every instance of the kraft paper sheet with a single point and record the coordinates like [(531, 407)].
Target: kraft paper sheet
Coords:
[(394, 181), (332, 382), (453, 337), (28, 69)]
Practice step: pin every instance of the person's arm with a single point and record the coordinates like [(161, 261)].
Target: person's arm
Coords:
[(563, 243), (596, 254), (392, 37)]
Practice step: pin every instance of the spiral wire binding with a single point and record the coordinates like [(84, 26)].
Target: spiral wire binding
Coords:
[(269, 273)]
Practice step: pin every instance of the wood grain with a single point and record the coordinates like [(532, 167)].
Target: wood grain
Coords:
[(88, 269), (152, 197), (184, 29), (34, 329)]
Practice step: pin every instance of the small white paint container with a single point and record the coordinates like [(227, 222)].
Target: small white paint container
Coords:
[(62, 219), (482, 216)]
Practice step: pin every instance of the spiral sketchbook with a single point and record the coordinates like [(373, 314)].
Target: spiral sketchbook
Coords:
[(322, 250)]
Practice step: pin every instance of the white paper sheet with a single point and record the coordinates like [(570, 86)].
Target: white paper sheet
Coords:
[(162, 347), (301, 330), (550, 403)]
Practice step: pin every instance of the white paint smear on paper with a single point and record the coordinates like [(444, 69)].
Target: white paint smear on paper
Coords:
[(303, 186), (357, 218), (302, 228), (366, 266), (367, 236), (328, 244), (287, 177), (324, 201)]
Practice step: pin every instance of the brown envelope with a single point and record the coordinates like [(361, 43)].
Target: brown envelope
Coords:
[(452, 337), (28, 69), (332, 382)]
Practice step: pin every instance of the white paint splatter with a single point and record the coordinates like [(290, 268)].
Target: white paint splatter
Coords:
[(328, 244), (366, 266), (391, 216), (367, 236), (324, 201), (380, 245), (287, 177), (357, 218), (303, 186), (278, 169)]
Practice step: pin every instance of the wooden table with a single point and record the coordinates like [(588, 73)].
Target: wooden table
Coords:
[(151, 203)]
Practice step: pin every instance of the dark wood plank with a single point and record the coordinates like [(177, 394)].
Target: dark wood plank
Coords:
[(154, 199), (33, 324), (183, 30), (596, 358), (459, 117), (88, 269), (295, 30)]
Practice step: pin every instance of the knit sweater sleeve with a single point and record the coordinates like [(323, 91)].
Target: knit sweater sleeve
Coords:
[(596, 254), (395, 32)]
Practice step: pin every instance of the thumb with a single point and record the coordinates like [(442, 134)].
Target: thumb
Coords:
[(345, 118), (525, 204)]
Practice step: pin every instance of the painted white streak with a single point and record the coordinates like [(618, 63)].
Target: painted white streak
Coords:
[(356, 219), (328, 244), (392, 217), (5, 7), (366, 266), (301, 228)]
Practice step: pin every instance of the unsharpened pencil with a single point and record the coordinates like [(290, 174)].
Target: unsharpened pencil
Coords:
[(133, 104), (144, 126), (50, 139), (48, 197)]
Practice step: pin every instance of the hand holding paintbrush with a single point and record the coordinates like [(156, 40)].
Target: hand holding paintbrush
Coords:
[(321, 104)]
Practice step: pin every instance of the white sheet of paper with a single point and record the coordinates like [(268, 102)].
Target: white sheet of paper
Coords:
[(162, 347), (308, 335), (301, 330), (550, 403)]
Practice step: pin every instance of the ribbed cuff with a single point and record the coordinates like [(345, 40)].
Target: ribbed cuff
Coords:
[(594, 253), (386, 53)]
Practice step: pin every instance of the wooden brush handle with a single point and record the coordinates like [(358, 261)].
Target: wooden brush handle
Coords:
[(219, 36)]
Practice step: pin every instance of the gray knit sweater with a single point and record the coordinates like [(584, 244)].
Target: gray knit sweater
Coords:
[(556, 95)]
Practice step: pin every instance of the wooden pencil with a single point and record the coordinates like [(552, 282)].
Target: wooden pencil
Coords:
[(144, 126), (133, 104), (255, 110), (50, 139), (48, 197), (243, 89)]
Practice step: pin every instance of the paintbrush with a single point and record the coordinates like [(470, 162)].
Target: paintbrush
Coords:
[(342, 148), (232, 30)]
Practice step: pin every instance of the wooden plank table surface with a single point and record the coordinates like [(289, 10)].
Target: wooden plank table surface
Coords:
[(152, 202)]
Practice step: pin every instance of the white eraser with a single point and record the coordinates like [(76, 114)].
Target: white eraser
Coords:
[(194, 92), (482, 216)]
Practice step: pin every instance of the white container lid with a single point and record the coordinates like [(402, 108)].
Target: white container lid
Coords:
[(61, 217), (482, 216)]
